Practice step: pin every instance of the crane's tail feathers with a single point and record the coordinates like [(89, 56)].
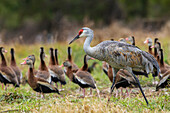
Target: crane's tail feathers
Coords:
[(152, 60)]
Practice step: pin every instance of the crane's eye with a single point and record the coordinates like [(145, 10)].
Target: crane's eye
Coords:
[(81, 31)]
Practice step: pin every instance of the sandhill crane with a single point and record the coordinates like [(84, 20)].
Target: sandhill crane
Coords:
[(120, 56)]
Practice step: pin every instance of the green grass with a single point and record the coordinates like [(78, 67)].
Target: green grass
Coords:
[(24, 99)]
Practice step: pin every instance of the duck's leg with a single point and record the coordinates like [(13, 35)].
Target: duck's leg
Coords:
[(56, 85), (61, 86), (5, 87), (83, 92), (90, 91), (117, 93), (121, 92), (80, 90), (42, 95), (98, 92), (127, 92)]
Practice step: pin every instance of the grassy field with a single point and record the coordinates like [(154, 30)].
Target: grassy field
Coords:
[(24, 99)]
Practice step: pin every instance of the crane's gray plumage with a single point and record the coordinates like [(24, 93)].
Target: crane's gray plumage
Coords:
[(120, 56)]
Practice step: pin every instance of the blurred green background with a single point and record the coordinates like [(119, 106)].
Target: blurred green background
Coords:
[(54, 19)]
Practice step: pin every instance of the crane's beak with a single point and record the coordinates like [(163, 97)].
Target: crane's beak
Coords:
[(77, 37)]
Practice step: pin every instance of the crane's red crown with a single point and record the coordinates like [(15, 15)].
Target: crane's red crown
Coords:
[(81, 31)]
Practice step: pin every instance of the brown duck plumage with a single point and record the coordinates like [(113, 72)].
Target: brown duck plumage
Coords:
[(7, 75), (36, 83), (14, 66)]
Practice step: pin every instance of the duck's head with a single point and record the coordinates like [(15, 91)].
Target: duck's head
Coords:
[(148, 41), (27, 62), (2, 49), (67, 64)]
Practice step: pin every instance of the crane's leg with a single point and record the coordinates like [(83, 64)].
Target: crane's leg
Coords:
[(113, 84), (130, 71)]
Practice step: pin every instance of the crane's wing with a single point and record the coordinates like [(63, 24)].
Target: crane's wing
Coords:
[(121, 55)]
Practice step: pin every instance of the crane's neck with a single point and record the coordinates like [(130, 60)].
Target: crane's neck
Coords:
[(89, 50)]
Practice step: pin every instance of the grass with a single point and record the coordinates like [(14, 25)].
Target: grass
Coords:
[(24, 99)]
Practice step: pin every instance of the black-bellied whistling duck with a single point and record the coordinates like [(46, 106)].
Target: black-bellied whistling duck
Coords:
[(82, 77), (160, 56), (123, 78), (14, 66), (158, 47), (56, 56), (155, 49), (149, 42), (163, 66), (56, 72), (32, 57), (86, 76), (131, 39), (36, 83), (74, 66), (164, 81), (91, 68), (7, 75), (43, 70), (57, 64)]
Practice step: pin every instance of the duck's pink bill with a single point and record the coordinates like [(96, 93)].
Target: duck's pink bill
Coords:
[(62, 65), (93, 58), (23, 63), (25, 58), (152, 46)]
